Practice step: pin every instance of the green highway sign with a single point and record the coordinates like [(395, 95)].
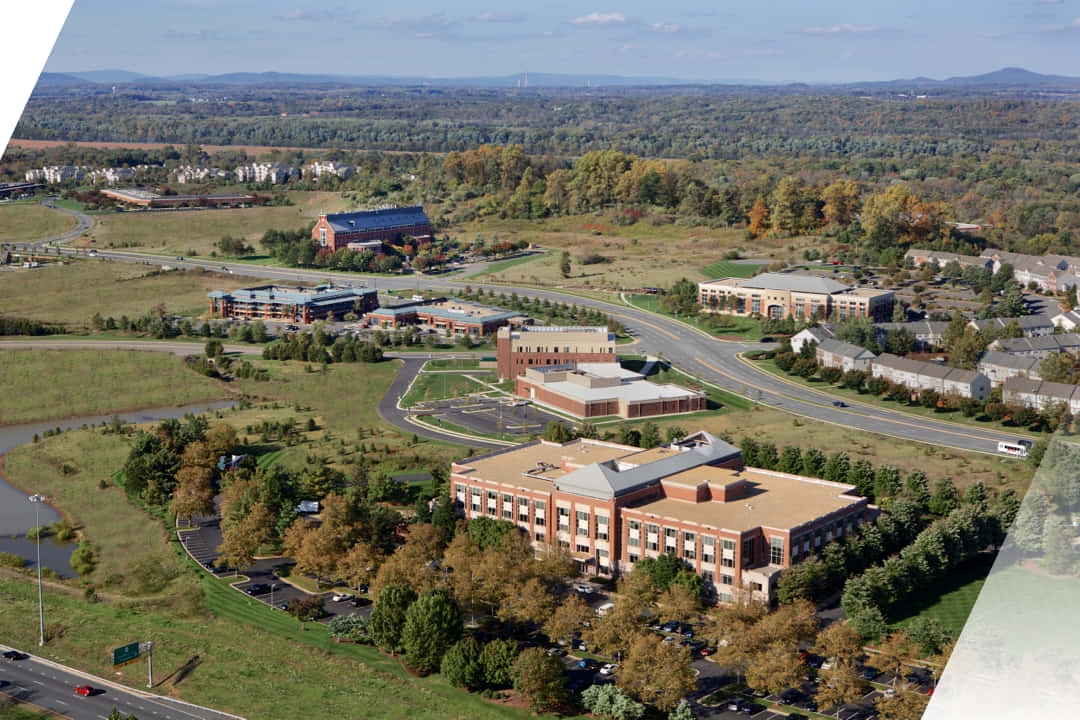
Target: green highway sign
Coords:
[(126, 654)]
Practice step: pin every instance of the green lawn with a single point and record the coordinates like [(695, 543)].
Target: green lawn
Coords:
[(726, 268), (951, 600), (71, 294), (501, 265), (744, 328), (53, 384), (20, 222), (452, 364), (438, 386)]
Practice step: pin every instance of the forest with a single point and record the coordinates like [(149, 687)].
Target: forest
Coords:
[(868, 174)]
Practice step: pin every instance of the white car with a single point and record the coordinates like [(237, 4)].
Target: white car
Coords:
[(583, 588), (341, 597), (608, 669)]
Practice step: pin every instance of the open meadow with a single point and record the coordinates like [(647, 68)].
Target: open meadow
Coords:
[(628, 256), (53, 384), (23, 221), (196, 232), (70, 294)]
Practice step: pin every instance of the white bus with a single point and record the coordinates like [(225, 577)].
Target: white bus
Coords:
[(1016, 449)]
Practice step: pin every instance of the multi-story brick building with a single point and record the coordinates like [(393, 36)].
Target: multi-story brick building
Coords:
[(612, 505), (518, 349), (593, 390), (780, 295), (292, 304), (369, 229)]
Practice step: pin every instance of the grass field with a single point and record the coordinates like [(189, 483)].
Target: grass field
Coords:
[(181, 232), (743, 327), (951, 600), (71, 293), (726, 268), (438, 386), (135, 561), (20, 222), (503, 265), (47, 384), (637, 255)]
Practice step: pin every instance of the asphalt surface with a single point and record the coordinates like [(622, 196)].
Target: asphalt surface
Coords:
[(84, 223), (694, 352), (52, 687)]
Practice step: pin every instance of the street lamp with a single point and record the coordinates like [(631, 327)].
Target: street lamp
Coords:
[(273, 586), (37, 500)]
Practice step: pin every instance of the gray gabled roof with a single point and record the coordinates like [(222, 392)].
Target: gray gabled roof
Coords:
[(844, 349), (604, 481), (1065, 341), (993, 358), (794, 283), (1025, 322)]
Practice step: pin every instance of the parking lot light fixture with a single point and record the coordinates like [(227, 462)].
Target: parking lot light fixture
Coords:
[(37, 500)]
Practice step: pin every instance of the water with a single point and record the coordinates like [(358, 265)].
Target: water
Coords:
[(16, 512), (55, 556)]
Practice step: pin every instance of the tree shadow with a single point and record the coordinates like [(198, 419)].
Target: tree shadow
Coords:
[(181, 673)]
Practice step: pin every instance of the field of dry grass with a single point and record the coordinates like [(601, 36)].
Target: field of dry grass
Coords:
[(71, 293), (181, 232), (23, 221)]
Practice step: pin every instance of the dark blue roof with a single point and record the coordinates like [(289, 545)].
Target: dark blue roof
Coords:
[(378, 219)]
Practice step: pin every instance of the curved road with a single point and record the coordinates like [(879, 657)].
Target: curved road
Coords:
[(688, 349), (84, 223)]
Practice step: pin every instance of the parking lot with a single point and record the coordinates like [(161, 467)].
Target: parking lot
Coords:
[(490, 416)]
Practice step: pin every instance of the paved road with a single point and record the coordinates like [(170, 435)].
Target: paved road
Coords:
[(84, 223), (52, 687), (704, 357)]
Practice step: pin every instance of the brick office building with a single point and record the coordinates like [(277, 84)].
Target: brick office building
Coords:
[(369, 229), (518, 349), (594, 390), (611, 505), (292, 304), (781, 295)]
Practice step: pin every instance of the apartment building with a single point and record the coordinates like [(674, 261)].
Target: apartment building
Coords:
[(843, 355), (611, 505), (1000, 366), (919, 375), (292, 304)]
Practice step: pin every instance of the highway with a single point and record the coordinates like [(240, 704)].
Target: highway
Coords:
[(711, 360), (51, 687)]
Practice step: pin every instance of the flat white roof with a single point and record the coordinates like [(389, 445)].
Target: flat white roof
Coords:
[(638, 391)]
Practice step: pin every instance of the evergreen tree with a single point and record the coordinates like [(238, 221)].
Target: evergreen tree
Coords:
[(388, 616), (432, 625)]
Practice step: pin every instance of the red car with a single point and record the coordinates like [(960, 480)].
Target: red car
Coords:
[(84, 690)]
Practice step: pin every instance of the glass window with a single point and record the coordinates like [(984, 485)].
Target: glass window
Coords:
[(707, 576), (633, 557), (726, 579), (582, 548), (583, 523), (776, 551), (727, 562), (601, 527), (728, 545)]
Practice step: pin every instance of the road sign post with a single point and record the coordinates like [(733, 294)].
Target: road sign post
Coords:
[(125, 655), (149, 665)]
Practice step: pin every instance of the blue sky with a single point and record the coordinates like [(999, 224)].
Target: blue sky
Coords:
[(767, 40)]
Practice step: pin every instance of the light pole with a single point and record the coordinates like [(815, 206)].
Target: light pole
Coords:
[(273, 586), (37, 500)]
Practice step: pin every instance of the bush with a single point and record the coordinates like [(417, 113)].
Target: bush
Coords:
[(350, 627), (461, 665), (84, 560), (310, 608), (831, 375), (12, 561)]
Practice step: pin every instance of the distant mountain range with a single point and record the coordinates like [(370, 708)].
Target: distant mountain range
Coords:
[(1007, 78)]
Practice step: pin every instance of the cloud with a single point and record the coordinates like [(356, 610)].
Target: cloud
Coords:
[(596, 18), (666, 27), (845, 28), (425, 26), (316, 14), (489, 17)]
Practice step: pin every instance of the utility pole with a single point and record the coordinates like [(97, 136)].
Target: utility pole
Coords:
[(37, 500), (149, 664)]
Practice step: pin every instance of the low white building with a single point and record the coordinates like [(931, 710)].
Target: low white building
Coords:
[(812, 334), (919, 375), (928, 333), (843, 355), (324, 167)]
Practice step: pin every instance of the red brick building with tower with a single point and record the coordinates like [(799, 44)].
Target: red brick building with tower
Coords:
[(369, 229), (518, 349)]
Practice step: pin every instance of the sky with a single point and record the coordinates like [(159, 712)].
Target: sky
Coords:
[(719, 40)]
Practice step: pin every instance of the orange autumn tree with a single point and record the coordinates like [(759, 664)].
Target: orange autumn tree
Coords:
[(759, 218)]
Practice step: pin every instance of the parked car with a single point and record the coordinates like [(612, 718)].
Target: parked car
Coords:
[(556, 652), (360, 602), (868, 673), (708, 650), (84, 690), (340, 597), (608, 669), (258, 589), (735, 705), (588, 664), (583, 589)]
